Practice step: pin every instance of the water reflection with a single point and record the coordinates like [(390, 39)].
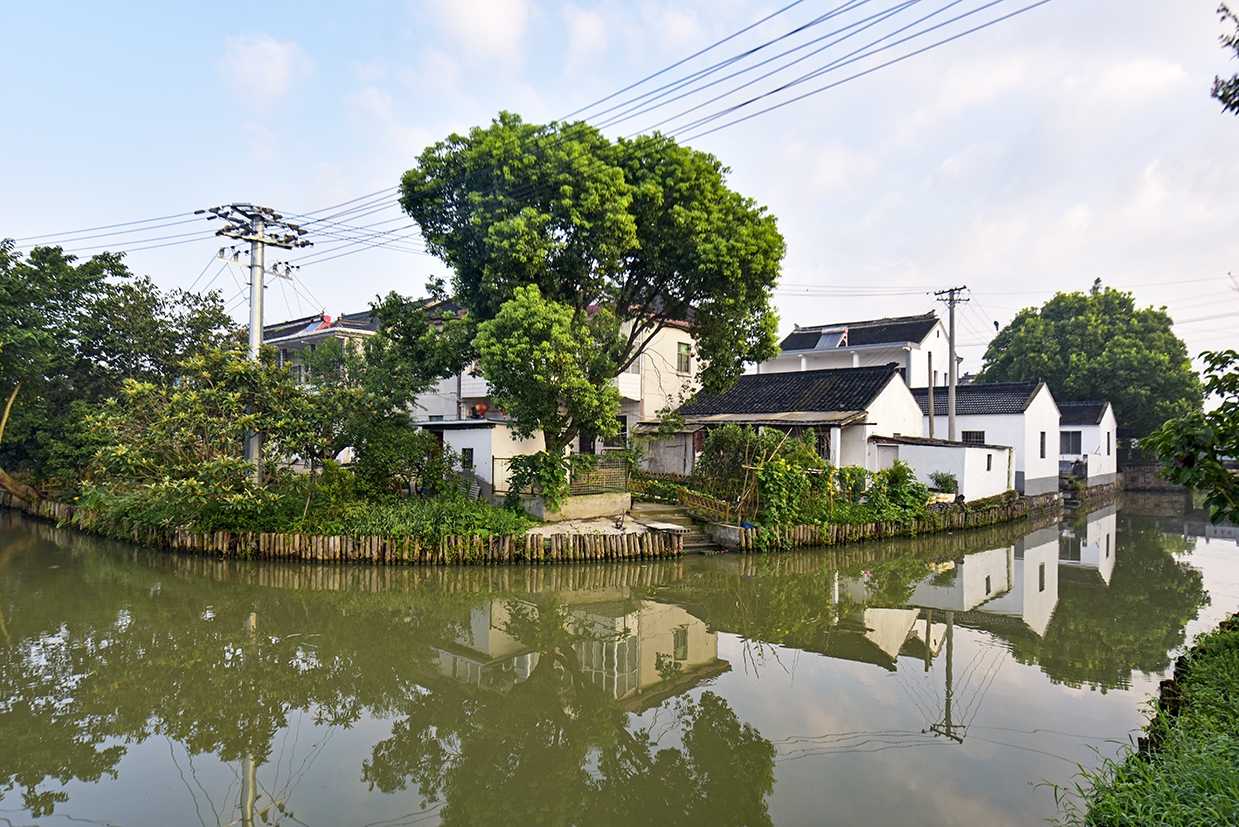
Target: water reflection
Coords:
[(135, 685)]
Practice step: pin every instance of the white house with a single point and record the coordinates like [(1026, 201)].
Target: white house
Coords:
[(1087, 437), (484, 445), (292, 337), (842, 407), (980, 470), (662, 373), (918, 344), (1020, 414)]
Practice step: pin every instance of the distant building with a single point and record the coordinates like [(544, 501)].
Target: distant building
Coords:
[(911, 342), (1087, 441), (1023, 415)]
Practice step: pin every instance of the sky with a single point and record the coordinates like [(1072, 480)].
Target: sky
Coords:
[(1073, 141)]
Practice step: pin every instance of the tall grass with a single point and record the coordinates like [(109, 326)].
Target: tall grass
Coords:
[(1189, 775)]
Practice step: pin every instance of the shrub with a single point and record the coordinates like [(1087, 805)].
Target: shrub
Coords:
[(945, 481)]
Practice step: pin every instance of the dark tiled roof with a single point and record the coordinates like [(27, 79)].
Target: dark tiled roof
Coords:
[(1081, 413), (922, 440), (970, 400), (895, 330), (838, 389)]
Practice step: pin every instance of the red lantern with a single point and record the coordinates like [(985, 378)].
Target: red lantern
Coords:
[(483, 407)]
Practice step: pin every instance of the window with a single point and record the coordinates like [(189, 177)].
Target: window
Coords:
[(680, 641), (973, 437), (466, 457), (684, 358), (283, 357), (1043, 444), (1069, 442), (436, 418), (1107, 546), (988, 589), (1107, 443), (1041, 578), (989, 462), (935, 378)]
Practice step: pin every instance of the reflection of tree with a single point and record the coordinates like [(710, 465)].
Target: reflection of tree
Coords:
[(522, 756), (1099, 636), (127, 652)]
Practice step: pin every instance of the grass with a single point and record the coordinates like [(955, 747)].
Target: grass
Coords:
[(1189, 775), (426, 518)]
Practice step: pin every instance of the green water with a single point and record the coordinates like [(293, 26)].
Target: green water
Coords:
[(935, 681)]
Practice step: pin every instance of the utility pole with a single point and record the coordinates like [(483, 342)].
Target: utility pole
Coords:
[(260, 226), (952, 299)]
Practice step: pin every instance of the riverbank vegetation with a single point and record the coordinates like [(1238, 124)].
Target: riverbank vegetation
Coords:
[(1186, 772), (770, 478)]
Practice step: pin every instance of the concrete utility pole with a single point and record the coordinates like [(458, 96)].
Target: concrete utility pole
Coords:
[(952, 299), (260, 226)]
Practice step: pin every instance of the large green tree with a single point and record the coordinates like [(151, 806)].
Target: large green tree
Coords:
[(547, 368), (1099, 345), (71, 333), (646, 228), (1196, 450)]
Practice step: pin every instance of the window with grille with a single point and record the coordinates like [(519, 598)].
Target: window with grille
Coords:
[(973, 437), (466, 457), (684, 358), (1069, 442)]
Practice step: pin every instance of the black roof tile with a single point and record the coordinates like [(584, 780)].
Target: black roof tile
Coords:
[(971, 400), (895, 330), (838, 389), (1081, 413)]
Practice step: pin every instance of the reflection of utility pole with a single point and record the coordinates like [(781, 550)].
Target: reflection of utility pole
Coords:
[(249, 779), (952, 299), (260, 226), (947, 727)]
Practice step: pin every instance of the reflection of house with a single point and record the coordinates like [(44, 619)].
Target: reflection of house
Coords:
[(1034, 588), (632, 651), (917, 344), (1090, 548), (881, 636), (1087, 439), (842, 408), (974, 580), (1020, 414)]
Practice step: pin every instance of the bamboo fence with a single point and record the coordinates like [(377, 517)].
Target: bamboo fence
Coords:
[(497, 549)]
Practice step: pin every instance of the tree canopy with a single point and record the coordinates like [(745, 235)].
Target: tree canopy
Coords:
[(1226, 90), (646, 228), (1098, 345), (71, 333)]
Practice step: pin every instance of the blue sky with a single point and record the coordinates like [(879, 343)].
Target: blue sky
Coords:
[(1072, 142)]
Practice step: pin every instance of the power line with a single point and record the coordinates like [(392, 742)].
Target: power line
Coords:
[(105, 227)]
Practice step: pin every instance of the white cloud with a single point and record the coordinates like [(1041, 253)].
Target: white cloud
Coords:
[(259, 68), (587, 36), (672, 25), (485, 30)]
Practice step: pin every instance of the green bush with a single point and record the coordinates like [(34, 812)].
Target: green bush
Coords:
[(426, 518), (945, 481)]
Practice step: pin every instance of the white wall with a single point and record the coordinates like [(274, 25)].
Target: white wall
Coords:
[(977, 478), (893, 413), (661, 383), (1102, 457), (480, 439), (1034, 474)]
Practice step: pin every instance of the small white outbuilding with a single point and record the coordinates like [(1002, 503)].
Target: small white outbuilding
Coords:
[(1087, 441), (980, 470)]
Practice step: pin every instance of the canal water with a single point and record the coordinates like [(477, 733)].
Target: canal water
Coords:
[(944, 680)]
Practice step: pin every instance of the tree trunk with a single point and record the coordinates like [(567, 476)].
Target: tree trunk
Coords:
[(18, 489)]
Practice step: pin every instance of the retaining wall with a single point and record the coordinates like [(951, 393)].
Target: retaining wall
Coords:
[(451, 550), (948, 518)]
